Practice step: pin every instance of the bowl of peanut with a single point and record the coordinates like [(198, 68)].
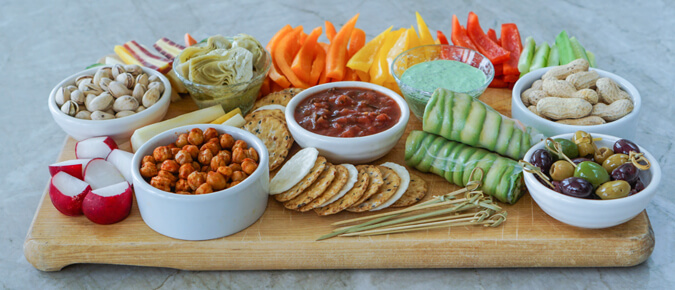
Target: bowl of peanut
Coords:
[(574, 97), (201, 182)]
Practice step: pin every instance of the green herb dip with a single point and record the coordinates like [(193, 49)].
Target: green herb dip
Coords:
[(448, 74)]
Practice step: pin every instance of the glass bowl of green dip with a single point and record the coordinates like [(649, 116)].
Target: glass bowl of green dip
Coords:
[(419, 71)]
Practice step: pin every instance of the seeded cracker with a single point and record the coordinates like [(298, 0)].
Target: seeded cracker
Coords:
[(375, 177), (313, 191), (306, 181), (350, 198), (266, 113), (341, 176), (274, 133), (277, 98), (416, 191), (391, 184)]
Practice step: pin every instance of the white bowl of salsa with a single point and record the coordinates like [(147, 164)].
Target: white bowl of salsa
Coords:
[(353, 122)]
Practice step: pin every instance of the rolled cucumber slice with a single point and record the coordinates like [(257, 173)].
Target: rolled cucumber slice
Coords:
[(490, 132), (431, 153), (514, 144), (438, 166), (505, 132), (474, 124), (415, 144), (460, 164), (460, 111), (451, 161), (494, 175), (473, 162), (436, 114), (446, 119)]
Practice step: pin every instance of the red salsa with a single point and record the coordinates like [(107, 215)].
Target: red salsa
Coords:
[(347, 112)]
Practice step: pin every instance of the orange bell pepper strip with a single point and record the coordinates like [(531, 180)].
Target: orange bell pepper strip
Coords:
[(493, 51), (283, 56), (441, 38), (425, 36), (274, 87), (274, 74), (322, 77), (459, 36), (318, 66), (264, 88), (330, 31), (350, 75), (356, 42), (336, 59), (364, 58), (189, 40), (302, 63)]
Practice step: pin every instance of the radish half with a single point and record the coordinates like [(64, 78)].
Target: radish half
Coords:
[(100, 173), (67, 193), (96, 147), (122, 161), (73, 167), (109, 204)]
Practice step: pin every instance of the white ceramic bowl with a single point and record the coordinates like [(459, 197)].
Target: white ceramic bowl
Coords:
[(589, 213), (119, 129), (625, 127), (351, 150), (206, 216)]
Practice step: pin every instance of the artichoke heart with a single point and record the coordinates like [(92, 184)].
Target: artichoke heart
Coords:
[(190, 52), (251, 44), (218, 41)]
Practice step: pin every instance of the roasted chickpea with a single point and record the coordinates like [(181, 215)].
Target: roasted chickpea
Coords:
[(158, 166), (251, 153), (195, 137), (203, 189), (217, 161), (195, 179), (171, 146), (182, 185), (149, 170), (205, 156), (240, 144), (248, 166), (226, 141), (238, 155), (216, 180), (213, 147), (205, 168), (168, 175), (226, 155), (238, 176), (235, 166), (225, 172), (210, 133), (196, 165), (148, 158), (174, 151), (185, 170), (161, 183), (192, 149), (182, 140), (170, 165), (183, 157), (161, 153), (233, 183)]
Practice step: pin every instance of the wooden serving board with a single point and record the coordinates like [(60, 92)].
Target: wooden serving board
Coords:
[(284, 239)]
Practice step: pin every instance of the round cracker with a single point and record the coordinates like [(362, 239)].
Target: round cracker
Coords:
[(403, 173), (292, 172), (266, 113), (274, 133), (391, 183), (305, 182), (341, 177), (417, 190), (351, 180), (374, 184), (314, 190), (277, 98), (350, 198)]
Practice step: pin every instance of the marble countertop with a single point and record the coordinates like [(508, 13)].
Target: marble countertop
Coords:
[(42, 42)]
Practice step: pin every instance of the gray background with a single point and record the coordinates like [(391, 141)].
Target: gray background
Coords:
[(43, 42)]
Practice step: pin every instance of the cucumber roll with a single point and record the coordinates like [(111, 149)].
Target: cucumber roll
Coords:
[(454, 161), (459, 117)]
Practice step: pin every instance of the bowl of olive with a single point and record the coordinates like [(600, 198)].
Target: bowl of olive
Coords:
[(600, 182)]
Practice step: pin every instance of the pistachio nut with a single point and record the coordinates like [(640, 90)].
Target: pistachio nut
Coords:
[(139, 91), (133, 69), (71, 88), (154, 78), (89, 98), (84, 114), (82, 83), (127, 80), (140, 109), (121, 114), (151, 97), (142, 79), (125, 103), (110, 111), (77, 96), (158, 85), (101, 103), (117, 70), (103, 83), (90, 89), (100, 115), (100, 74), (62, 96), (70, 108), (80, 79), (117, 89)]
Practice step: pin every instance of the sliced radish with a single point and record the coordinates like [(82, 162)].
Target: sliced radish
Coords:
[(73, 167), (108, 205), (100, 173), (67, 193), (96, 147), (122, 161)]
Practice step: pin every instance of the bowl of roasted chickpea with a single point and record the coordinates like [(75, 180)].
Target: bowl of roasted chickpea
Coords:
[(201, 182)]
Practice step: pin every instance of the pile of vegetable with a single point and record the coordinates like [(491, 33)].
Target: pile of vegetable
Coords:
[(564, 50)]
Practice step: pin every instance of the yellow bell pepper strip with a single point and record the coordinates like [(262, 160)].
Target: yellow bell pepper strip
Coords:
[(302, 63), (379, 71), (356, 41), (401, 45), (425, 36), (363, 76), (413, 39), (283, 56), (318, 66), (336, 59), (274, 74), (363, 59)]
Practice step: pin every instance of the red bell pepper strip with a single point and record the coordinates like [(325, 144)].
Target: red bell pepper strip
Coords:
[(495, 53), (499, 69), (459, 36), (492, 35), (498, 82), (511, 42), (441, 37), (511, 78)]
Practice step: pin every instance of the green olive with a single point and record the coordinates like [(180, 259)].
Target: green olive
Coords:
[(568, 147), (613, 189), (602, 154), (614, 161), (584, 143), (561, 169), (592, 172)]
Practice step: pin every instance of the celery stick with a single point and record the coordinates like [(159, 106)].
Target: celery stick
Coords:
[(562, 41), (526, 56), (553, 57), (540, 57), (591, 59), (579, 51)]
